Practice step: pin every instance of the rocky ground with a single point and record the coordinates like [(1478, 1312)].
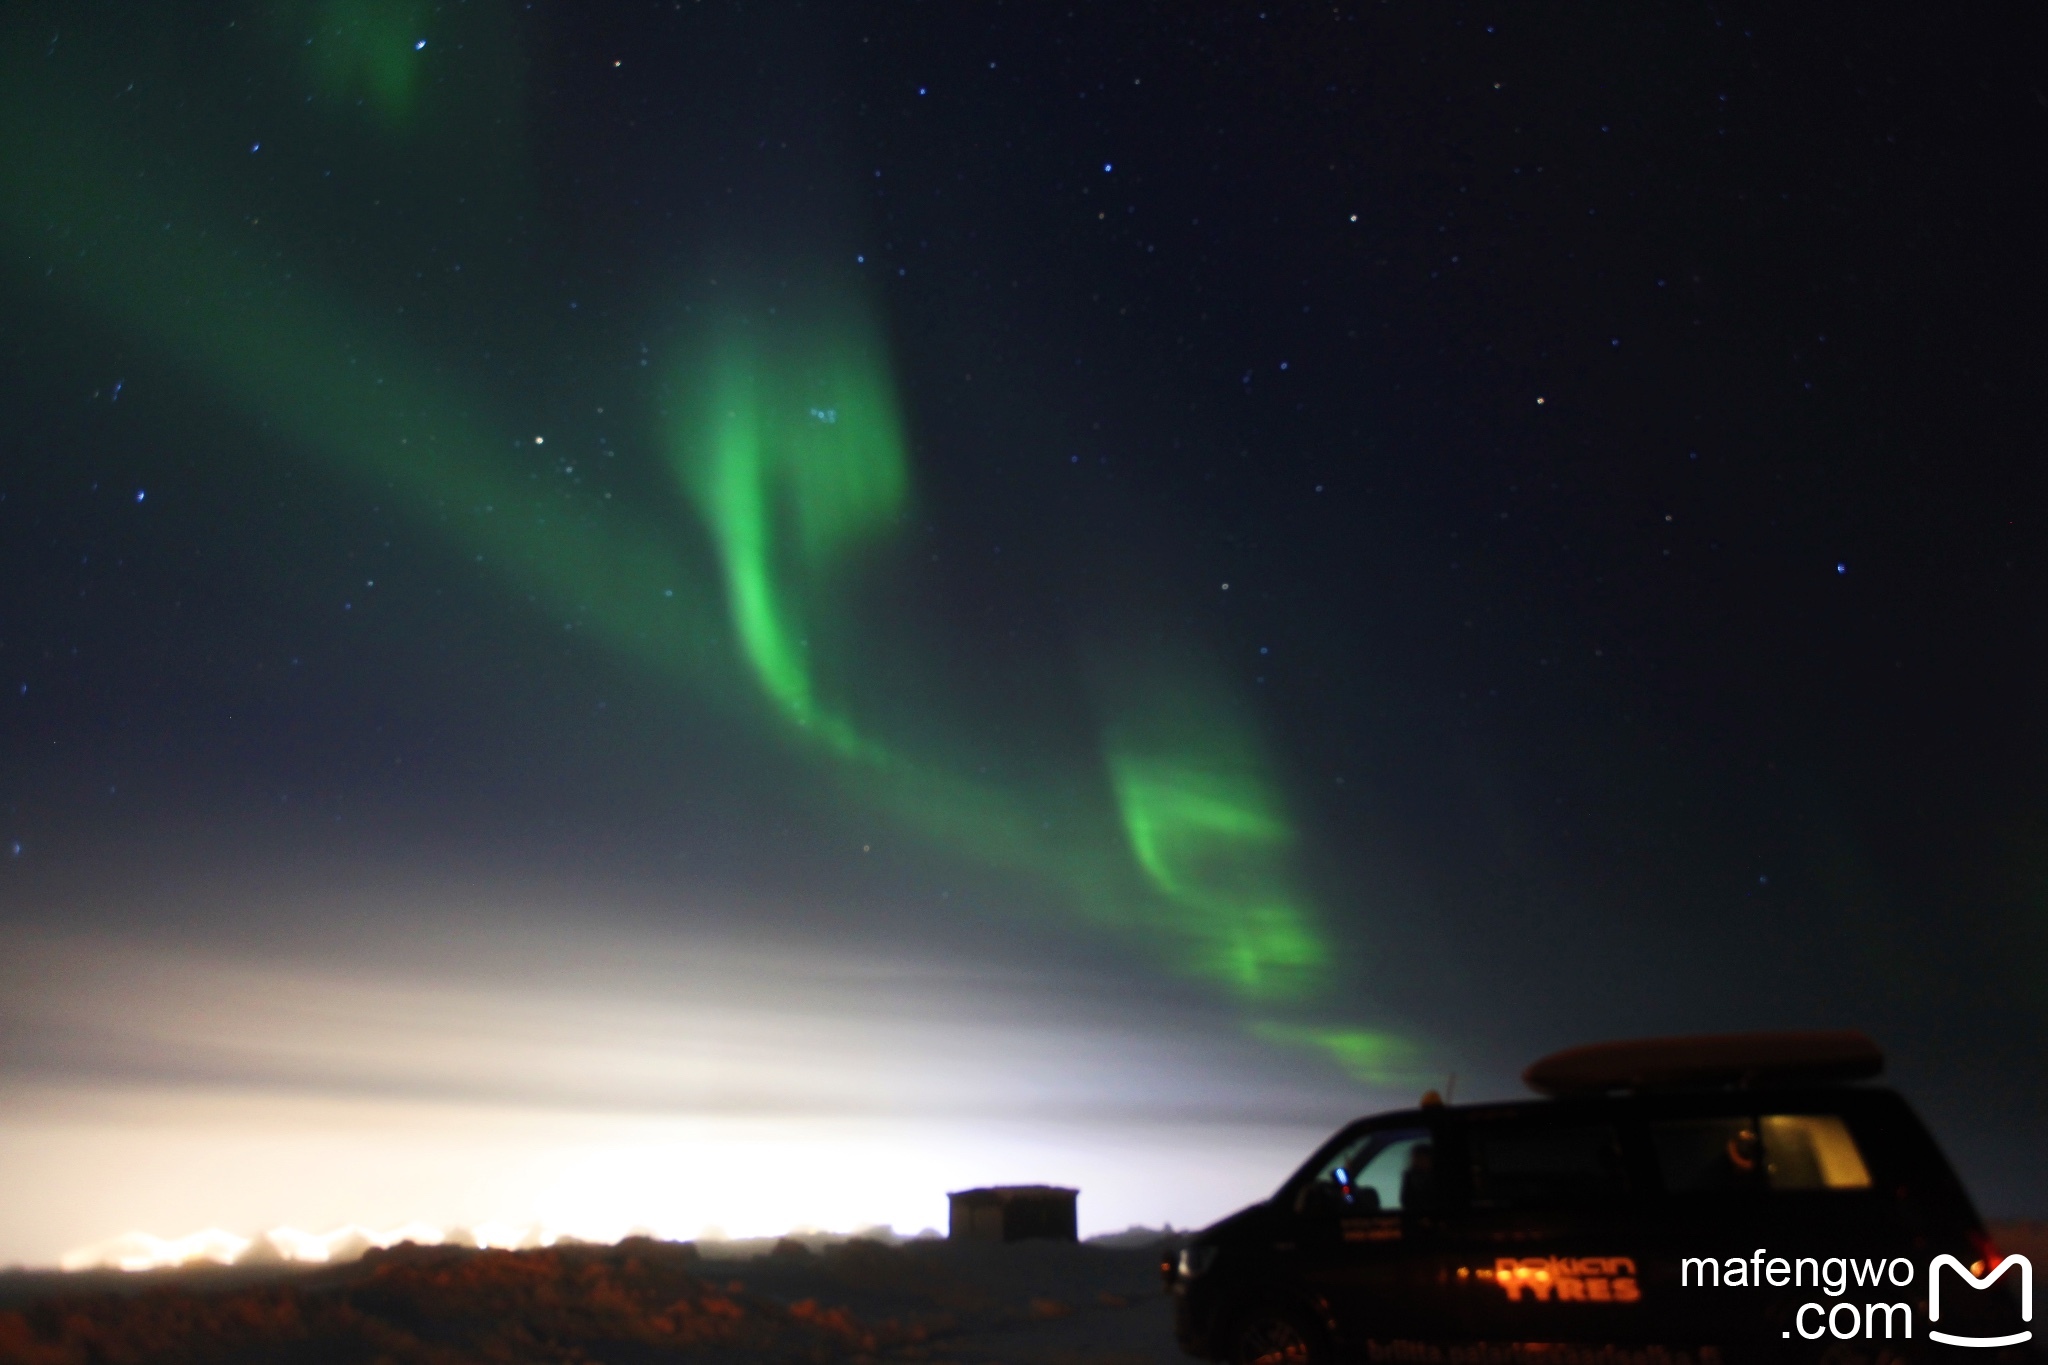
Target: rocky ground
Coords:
[(1034, 1303), (641, 1302)]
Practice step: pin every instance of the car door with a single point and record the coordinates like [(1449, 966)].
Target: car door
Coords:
[(1367, 1225), (1546, 1247)]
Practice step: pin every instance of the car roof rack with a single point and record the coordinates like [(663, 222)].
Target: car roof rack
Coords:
[(1710, 1061)]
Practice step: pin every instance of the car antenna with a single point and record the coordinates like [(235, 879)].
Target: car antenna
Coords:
[(1450, 1087)]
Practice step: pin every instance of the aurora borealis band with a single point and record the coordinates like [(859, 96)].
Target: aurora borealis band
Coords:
[(792, 466), (1123, 586), (788, 450)]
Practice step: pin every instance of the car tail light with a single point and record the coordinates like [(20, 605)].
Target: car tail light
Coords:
[(1988, 1254)]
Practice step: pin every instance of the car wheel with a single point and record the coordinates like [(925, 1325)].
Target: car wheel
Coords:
[(1277, 1337)]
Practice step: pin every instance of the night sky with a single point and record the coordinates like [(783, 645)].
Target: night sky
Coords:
[(731, 615)]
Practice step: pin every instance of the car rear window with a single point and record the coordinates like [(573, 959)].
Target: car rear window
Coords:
[(1545, 1165), (1811, 1152), (1775, 1152)]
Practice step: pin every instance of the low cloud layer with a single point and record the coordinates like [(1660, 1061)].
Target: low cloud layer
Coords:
[(597, 1083)]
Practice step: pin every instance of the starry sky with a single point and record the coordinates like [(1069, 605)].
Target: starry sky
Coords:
[(605, 602)]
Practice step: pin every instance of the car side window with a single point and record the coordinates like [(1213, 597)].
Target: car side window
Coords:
[(1545, 1165), (1811, 1152), (1775, 1152), (1380, 1172), (1704, 1156)]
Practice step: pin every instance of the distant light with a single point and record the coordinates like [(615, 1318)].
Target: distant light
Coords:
[(421, 46), (542, 440), (1539, 402), (1107, 167), (1841, 568), (141, 493), (920, 90), (255, 147)]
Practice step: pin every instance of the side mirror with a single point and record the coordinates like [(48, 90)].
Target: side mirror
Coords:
[(1323, 1199)]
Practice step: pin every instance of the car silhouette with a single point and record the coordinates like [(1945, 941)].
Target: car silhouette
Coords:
[(1605, 1222)]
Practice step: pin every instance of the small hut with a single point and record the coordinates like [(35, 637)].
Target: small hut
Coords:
[(1011, 1213)]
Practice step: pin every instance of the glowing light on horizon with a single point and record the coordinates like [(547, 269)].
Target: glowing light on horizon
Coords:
[(139, 1251), (728, 1188)]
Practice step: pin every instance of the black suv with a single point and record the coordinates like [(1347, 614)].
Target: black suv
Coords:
[(1674, 1202)]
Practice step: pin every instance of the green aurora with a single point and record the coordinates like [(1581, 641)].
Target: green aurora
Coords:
[(787, 466)]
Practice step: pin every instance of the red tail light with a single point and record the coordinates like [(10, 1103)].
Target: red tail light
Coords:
[(1988, 1254)]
